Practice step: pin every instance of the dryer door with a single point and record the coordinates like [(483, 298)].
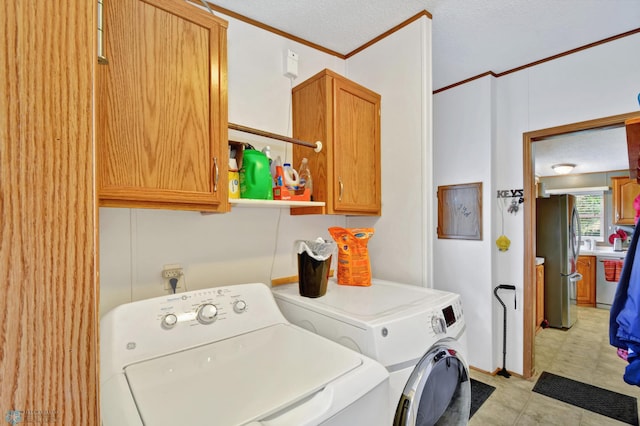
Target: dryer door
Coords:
[(438, 391)]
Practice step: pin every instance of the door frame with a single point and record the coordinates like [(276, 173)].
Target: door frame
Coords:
[(528, 138)]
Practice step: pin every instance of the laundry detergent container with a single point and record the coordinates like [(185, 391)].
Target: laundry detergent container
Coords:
[(255, 177)]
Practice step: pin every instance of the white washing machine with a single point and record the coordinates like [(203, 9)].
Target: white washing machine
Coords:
[(418, 334), (227, 356)]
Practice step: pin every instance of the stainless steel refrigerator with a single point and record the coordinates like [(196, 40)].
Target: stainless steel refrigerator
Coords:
[(558, 241)]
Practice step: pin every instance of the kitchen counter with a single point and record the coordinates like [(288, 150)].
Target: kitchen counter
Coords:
[(604, 252)]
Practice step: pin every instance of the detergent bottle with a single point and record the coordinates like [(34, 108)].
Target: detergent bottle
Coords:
[(305, 176), (291, 177), (255, 177)]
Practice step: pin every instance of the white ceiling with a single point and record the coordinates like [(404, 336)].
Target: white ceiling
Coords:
[(591, 151), (469, 37)]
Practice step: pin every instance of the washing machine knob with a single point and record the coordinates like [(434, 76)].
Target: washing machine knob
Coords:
[(438, 325), (169, 321), (207, 313), (239, 306)]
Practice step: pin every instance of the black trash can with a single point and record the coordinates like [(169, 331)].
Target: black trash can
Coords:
[(312, 275), (314, 262)]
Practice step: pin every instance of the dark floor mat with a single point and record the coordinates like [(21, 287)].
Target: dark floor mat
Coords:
[(602, 401), (479, 394)]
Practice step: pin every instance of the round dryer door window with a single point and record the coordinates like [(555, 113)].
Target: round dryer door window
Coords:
[(438, 391)]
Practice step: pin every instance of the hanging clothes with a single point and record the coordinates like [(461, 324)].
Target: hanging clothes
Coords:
[(624, 317)]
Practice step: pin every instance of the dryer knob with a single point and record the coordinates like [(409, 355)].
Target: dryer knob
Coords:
[(438, 325), (207, 313), (169, 321)]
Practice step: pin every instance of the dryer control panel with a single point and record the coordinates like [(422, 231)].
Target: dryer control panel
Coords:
[(448, 319)]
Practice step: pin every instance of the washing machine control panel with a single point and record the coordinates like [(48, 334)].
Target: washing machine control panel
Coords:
[(148, 328), (203, 307)]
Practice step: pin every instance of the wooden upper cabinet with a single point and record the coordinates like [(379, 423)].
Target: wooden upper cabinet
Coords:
[(632, 126), (162, 107), (625, 190), (345, 117)]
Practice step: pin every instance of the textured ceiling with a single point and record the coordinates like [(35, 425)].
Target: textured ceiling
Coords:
[(470, 37), (591, 151)]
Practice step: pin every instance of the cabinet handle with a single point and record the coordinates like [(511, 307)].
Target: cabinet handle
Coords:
[(341, 188), (216, 174), (101, 58)]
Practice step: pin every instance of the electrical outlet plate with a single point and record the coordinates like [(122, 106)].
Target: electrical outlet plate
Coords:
[(173, 271)]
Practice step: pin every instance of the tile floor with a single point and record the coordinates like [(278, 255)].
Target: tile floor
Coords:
[(582, 353)]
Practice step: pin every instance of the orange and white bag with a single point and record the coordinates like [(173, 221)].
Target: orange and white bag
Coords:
[(354, 267)]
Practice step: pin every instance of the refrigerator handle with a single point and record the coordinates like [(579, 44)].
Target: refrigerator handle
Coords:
[(575, 277)]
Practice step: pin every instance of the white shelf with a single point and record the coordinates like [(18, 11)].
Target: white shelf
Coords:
[(246, 202)]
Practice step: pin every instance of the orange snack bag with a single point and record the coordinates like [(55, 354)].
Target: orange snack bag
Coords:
[(354, 267)]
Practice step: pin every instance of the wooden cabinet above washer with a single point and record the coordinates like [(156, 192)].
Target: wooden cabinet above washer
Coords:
[(162, 107)]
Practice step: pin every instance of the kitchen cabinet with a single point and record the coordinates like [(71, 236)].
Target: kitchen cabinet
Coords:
[(632, 127), (625, 190), (586, 288), (345, 117), (162, 107), (49, 333), (539, 295)]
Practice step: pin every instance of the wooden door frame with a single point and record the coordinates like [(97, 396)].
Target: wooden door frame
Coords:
[(528, 364)]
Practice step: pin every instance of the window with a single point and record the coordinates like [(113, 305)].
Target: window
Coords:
[(590, 207)]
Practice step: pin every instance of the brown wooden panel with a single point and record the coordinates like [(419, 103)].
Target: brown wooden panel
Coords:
[(49, 296), (625, 191), (586, 287), (633, 147), (162, 106), (345, 117), (357, 148), (539, 295)]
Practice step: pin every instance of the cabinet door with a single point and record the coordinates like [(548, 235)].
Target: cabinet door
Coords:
[(625, 192), (356, 150), (539, 295), (345, 117), (162, 107), (586, 288)]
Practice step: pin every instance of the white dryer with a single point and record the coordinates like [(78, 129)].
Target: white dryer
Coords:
[(418, 334), (226, 356)]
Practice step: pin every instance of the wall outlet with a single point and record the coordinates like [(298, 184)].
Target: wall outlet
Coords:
[(171, 272)]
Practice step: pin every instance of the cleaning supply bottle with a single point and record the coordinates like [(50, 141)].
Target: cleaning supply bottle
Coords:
[(272, 166), (278, 176), (291, 178), (255, 179), (305, 176)]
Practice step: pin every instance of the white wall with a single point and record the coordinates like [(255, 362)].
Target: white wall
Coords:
[(598, 82), (256, 244), (462, 154), (399, 68)]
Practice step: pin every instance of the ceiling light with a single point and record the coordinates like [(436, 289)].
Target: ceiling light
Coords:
[(563, 169)]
